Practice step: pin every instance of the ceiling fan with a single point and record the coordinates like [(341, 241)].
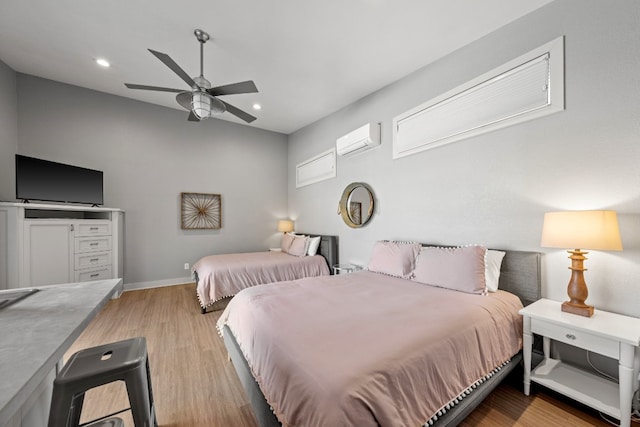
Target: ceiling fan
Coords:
[(201, 100)]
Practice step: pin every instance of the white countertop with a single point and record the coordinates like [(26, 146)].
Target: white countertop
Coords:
[(38, 330)]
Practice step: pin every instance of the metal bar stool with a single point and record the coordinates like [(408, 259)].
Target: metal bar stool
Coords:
[(126, 361)]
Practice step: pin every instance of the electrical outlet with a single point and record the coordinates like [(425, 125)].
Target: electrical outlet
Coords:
[(186, 265)]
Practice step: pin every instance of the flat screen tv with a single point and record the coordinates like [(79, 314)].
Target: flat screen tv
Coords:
[(38, 179)]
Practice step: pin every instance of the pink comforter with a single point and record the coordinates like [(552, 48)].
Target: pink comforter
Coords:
[(225, 275), (365, 349)]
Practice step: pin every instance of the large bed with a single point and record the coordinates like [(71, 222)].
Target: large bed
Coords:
[(224, 275), (413, 354)]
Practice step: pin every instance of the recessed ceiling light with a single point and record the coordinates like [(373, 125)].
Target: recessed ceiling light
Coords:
[(257, 106), (103, 62)]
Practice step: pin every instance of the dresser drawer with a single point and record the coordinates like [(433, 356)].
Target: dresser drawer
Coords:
[(92, 244), (576, 337), (93, 229), (91, 259), (100, 273)]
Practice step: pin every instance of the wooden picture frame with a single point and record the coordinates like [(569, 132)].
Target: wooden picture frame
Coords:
[(200, 211)]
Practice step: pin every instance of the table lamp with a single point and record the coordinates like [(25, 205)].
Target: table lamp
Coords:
[(596, 230), (285, 225)]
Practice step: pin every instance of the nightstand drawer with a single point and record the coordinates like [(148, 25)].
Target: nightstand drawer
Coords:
[(578, 338)]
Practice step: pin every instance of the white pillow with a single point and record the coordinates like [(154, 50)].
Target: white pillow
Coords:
[(314, 244), (492, 263)]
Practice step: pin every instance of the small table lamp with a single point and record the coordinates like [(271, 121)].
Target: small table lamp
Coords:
[(285, 225), (597, 230)]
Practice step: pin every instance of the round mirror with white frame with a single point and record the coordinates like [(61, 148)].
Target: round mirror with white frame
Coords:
[(356, 204)]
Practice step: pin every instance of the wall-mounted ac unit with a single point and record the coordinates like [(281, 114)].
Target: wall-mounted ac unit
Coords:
[(361, 139)]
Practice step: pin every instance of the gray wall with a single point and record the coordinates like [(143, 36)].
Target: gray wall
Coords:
[(8, 131), (149, 155), (494, 188)]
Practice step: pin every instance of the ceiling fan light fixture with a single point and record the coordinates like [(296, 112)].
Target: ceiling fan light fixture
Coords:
[(201, 105), (204, 105)]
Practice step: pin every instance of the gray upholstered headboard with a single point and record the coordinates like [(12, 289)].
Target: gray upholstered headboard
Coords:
[(520, 274), (328, 249)]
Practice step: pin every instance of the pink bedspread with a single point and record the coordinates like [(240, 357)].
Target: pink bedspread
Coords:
[(365, 349), (225, 275)]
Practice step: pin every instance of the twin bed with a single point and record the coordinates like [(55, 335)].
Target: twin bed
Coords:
[(373, 349), (224, 275)]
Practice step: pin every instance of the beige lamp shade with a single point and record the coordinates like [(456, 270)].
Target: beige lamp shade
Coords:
[(597, 230), (285, 225)]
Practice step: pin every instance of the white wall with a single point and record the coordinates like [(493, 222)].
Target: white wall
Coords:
[(494, 189), (149, 155), (8, 131)]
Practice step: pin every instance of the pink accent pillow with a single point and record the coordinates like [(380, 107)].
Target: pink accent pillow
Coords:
[(285, 243), (461, 269), (394, 258), (299, 246)]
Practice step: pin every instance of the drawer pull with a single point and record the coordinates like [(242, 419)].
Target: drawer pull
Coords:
[(95, 275), (571, 336), (93, 244), (94, 228), (94, 260)]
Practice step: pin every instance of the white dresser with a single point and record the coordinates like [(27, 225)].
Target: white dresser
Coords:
[(44, 244)]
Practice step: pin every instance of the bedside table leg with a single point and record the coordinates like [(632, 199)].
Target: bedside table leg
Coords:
[(625, 374), (546, 347), (527, 343)]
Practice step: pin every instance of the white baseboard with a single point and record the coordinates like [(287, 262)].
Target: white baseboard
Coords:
[(157, 283)]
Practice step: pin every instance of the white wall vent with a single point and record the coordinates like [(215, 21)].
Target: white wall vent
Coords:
[(363, 138)]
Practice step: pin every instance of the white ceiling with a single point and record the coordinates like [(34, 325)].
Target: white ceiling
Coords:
[(307, 58)]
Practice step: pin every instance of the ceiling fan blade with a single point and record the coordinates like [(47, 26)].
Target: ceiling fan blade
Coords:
[(238, 112), (174, 67), (232, 89), (161, 89), (193, 117)]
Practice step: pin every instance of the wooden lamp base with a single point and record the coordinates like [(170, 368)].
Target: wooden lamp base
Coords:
[(577, 288), (581, 310)]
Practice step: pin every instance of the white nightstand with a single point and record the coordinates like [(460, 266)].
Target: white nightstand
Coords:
[(609, 334), (344, 268), (275, 249)]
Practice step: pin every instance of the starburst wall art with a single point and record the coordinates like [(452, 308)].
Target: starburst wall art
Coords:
[(200, 211)]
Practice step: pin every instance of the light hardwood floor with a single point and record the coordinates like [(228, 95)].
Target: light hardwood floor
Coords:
[(195, 385)]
